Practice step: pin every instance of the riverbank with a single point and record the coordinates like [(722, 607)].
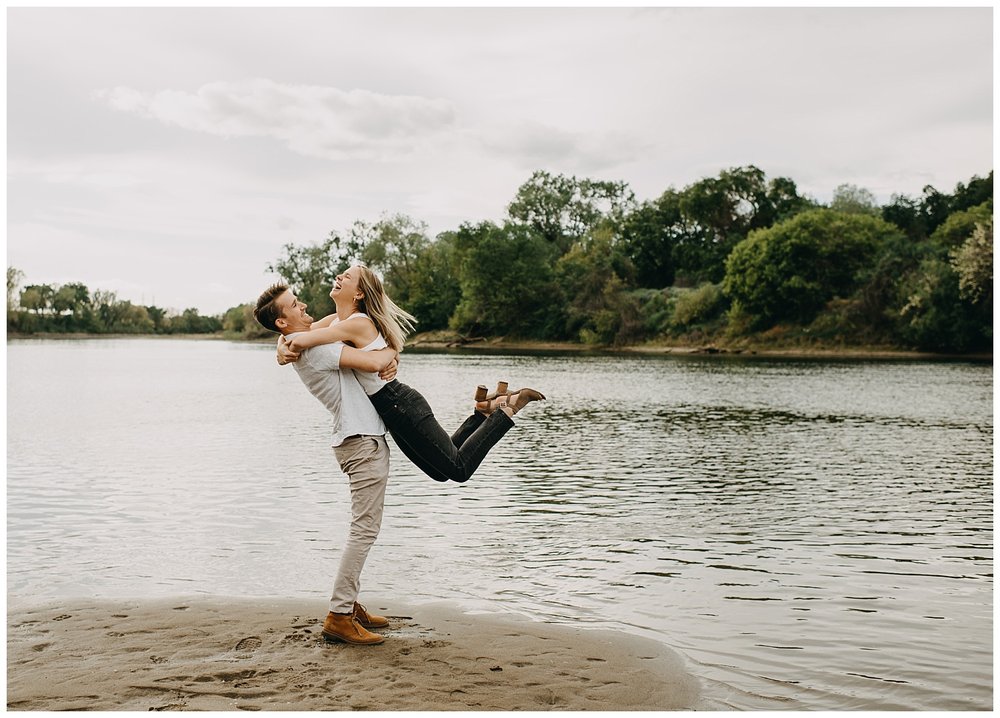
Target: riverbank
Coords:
[(447, 341), (220, 654), (442, 341)]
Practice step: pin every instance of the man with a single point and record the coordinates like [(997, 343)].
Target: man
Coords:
[(359, 444)]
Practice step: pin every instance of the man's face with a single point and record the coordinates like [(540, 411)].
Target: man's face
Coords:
[(293, 313)]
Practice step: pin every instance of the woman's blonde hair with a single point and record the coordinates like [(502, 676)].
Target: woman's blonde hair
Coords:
[(394, 323)]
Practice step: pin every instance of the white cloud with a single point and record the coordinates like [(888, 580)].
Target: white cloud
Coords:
[(312, 120), (441, 114), (532, 144)]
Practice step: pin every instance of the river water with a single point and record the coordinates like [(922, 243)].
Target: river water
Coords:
[(810, 535)]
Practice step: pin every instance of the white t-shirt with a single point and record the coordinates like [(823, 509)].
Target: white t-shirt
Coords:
[(339, 391)]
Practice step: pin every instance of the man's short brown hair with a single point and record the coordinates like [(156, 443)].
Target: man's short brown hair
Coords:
[(267, 311)]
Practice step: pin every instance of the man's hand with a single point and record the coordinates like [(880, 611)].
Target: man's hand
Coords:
[(389, 372), (285, 355)]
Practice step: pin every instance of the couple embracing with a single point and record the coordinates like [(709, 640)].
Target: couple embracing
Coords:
[(348, 361)]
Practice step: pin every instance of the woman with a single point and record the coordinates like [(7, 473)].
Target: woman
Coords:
[(367, 318)]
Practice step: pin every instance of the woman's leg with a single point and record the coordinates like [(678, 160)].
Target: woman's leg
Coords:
[(420, 437), (467, 428), (405, 441)]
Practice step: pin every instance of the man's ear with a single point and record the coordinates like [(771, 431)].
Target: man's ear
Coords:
[(281, 323)]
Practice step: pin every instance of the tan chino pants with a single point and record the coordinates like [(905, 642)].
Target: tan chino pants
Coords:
[(365, 460)]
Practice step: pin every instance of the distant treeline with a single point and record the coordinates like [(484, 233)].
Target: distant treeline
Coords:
[(72, 308), (730, 259)]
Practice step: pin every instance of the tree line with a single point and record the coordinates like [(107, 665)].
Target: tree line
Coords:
[(726, 259), (729, 259), (74, 308)]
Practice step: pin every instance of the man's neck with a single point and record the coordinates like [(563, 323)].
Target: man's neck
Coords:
[(286, 331)]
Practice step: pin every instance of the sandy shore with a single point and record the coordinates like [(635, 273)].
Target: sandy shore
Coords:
[(216, 654)]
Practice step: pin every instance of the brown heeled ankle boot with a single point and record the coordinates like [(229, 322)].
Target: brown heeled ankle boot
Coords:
[(345, 627), (516, 400), (482, 395)]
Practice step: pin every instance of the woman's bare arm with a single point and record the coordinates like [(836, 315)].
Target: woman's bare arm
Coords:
[(353, 332), (373, 361)]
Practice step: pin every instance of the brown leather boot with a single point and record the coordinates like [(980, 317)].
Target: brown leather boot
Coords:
[(512, 402), (344, 627), (369, 620)]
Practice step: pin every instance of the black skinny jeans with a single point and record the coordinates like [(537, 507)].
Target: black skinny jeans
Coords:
[(409, 418)]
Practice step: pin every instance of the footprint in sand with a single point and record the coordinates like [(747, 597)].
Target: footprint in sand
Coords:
[(62, 617), (248, 645)]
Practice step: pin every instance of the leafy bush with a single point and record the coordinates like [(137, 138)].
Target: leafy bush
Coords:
[(695, 306), (959, 226), (973, 262), (792, 269), (935, 318)]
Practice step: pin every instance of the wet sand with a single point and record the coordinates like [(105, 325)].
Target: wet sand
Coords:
[(218, 654)]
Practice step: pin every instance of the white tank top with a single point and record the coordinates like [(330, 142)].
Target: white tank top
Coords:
[(369, 381)]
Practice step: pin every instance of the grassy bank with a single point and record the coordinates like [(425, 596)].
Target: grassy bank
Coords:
[(752, 346)]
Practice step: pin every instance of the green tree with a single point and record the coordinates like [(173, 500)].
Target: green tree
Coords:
[(921, 218), (789, 271), (239, 322), (434, 289), (507, 282), (134, 320), (191, 322), (105, 309), (234, 321), (563, 209), (650, 235), (979, 190), (973, 263), (851, 199), (36, 297), (71, 297), (391, 247), (72, 302), (934, 317), (599, 309), (311, 270), (158, 315), (905, 213), (935, 207), (960, 225), (718, 212), (14, 279)]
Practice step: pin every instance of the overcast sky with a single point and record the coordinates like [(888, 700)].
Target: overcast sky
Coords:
[(169, 154)]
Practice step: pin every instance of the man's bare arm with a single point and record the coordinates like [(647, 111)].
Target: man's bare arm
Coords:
[(389, 373)]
